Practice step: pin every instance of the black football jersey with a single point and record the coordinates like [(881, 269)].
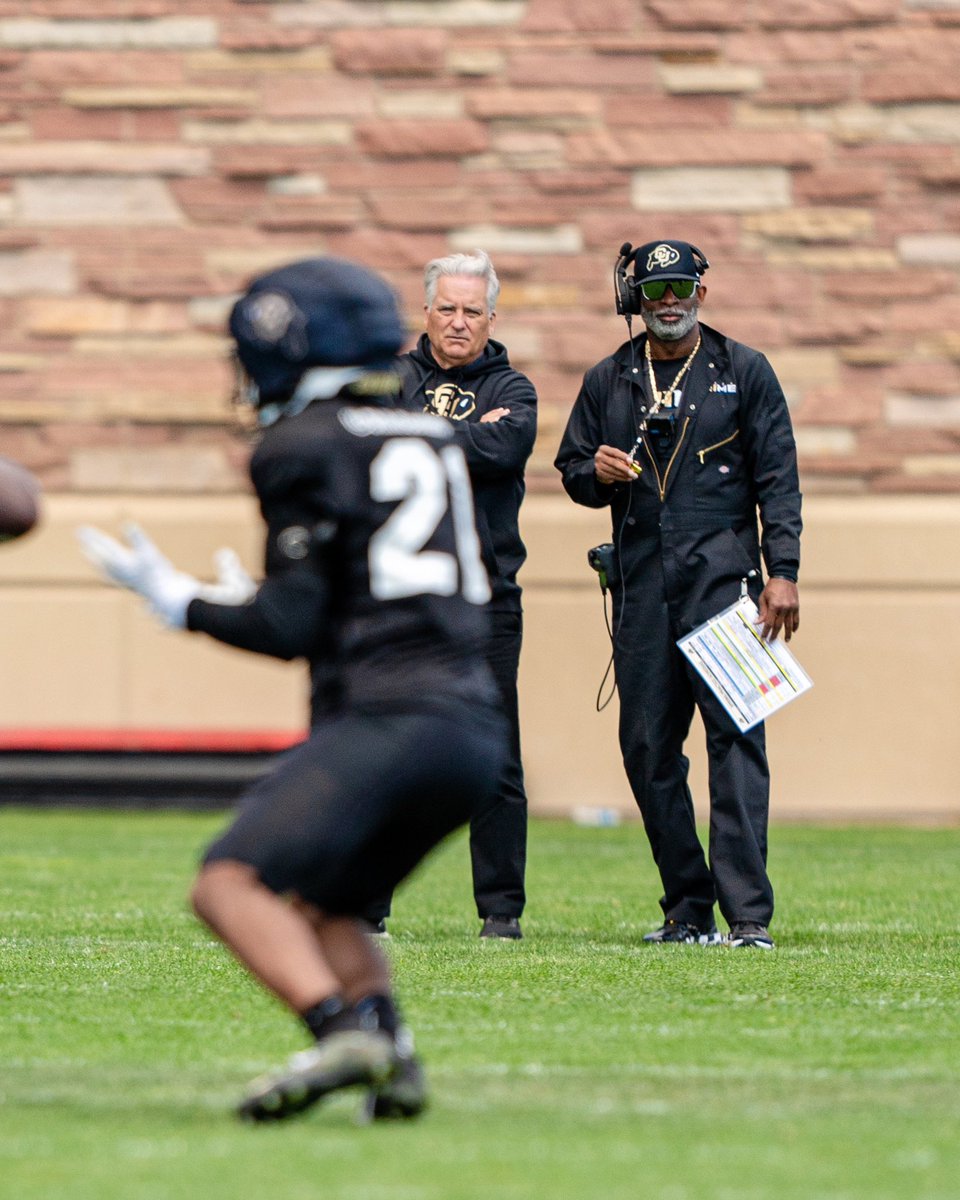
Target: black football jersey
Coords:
[(372, 566)]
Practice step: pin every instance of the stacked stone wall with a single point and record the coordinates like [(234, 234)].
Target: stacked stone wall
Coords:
[(155, 154)]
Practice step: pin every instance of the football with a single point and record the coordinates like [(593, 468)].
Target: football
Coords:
[(19, 500)]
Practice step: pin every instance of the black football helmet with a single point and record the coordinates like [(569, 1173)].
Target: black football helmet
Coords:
[(320, 312)]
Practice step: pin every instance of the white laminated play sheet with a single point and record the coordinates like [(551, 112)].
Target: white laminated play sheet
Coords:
[(751, 678)]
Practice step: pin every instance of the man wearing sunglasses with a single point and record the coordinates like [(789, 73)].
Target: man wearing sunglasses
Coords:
[(685, 434)]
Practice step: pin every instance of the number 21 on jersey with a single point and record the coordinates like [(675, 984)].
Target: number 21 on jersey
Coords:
[(427, 483)]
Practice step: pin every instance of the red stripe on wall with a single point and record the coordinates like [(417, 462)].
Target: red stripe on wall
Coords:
[(169, 740)]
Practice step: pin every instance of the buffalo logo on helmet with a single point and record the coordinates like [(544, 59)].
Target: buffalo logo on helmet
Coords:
[(270, 315)]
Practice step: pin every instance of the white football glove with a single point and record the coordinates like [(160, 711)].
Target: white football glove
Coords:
[(140, 567), (234, 585)]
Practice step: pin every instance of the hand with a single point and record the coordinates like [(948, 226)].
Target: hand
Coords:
[(779, 609), (140, 567), (493, 415), (613, 466), (233, 585)]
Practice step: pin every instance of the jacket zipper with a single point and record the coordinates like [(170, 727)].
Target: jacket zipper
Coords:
[(662, 484), (716, 446)]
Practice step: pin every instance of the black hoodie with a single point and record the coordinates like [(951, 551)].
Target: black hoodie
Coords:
[(496, 451)]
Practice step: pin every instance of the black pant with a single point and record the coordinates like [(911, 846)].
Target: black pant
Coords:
[(658, 691), (348, 814), (498, 827)]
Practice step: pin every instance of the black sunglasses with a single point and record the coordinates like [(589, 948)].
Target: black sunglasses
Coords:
[(683, 289)]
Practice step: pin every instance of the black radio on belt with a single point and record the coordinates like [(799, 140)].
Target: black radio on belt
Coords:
[(603, 559)]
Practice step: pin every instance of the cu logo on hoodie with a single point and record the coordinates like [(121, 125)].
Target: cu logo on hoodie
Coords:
[(447, 400)]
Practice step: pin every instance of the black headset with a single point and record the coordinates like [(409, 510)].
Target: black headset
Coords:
[(626, 290)]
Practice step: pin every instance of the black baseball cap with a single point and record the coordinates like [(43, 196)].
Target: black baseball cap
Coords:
[(668, 259)]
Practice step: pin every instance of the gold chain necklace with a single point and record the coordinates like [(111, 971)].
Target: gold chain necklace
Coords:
[(659, 397)]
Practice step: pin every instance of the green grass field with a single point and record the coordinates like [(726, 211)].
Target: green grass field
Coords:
[(577, 1065)]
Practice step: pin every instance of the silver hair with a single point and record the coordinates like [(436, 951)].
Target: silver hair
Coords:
[(477, 264)]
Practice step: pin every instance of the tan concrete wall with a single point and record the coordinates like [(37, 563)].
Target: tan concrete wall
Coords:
[(880, 587)]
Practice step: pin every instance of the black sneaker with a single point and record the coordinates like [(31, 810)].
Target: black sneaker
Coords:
[(404, 1094), (505, 928), (379, 928), (350, 1058), (684, 932), (750, 933)]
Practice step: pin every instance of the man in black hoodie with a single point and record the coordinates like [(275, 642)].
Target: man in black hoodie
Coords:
[(458, 371)]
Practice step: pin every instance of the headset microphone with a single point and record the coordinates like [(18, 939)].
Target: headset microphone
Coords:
[(621, 289)]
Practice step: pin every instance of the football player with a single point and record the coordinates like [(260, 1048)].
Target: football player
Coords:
[(373, 575)]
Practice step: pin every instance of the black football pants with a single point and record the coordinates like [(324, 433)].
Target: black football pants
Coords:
[(498, 827), (658, 692)]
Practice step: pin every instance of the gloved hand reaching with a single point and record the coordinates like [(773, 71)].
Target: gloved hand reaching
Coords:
[(140, 567)]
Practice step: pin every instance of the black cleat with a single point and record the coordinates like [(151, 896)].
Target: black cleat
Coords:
[(403, 1096), (351, 1058), (507, 929), (750, 933), (684, 932)]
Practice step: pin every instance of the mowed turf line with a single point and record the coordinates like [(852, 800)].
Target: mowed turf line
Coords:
[(577, 1065)]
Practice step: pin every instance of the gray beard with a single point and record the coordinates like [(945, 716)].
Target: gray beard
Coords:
[(671, 333)]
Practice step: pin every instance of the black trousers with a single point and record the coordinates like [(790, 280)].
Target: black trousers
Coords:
[(658, 693), (498, 826)]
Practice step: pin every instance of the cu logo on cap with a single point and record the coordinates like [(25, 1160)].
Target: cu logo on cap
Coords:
[(662, 256)]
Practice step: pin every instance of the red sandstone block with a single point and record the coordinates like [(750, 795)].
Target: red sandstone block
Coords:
[(844, 327), (893, 483), (331, 97), (359, 174), (262, 162), (775, 48), (307, 214), (428, 209), (67, 124), (700, 14), (825, 14), (926, 377), (904, 85), (673, 112), (102, 68), (389, 51), (717, 235), (248, 34), (881, 286), (668, 47), (574, 68), (527, 210), (379, 248), (78, 10), (578, 346), (734, 283), (853, 405), (422, 139), (207, 199), (940, 174), (832, 185), (695, 147), (530, 103), (576, 183), (807, 87), (581, 16)]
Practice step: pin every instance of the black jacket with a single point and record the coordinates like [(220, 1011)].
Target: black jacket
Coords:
[(734, 456), (496, 451)]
